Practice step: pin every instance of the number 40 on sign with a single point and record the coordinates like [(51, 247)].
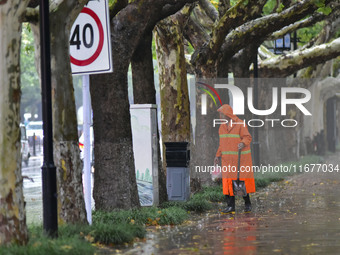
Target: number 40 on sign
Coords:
[(90, 45)]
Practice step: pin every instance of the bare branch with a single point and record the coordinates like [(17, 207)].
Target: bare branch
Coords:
[(288, 64), (265, 53), (33, 3), (316, 17), (170, 9), (209, 9), (189, 66), (31, 15), (243, 11), (117, 6), (257, 30), (195, 33), (237, 15), (223, 6)]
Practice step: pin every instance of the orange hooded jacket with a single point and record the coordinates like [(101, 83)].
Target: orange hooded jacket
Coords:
[(231, 135)]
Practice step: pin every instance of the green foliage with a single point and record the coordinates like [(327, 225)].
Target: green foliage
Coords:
[(233, 2), (319, 3), (189, 48), (264, 179), (68, 243), (325, 10), (154, 54), (196, 204), (306, 34), (336, 65), (172, 216), (116, 234), (144, 215), (72, 230), (261, 182), (269, 7), (212, 194), (280, 8), (215, 3), (322, 7), (30, 86), (200, 202)]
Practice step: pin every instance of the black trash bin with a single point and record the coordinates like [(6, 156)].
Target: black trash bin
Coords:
[(178, 174)]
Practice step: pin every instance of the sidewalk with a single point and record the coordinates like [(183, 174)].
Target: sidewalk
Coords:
[(300, 215)]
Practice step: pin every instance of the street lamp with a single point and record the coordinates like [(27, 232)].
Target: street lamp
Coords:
[(255, 132), (282, 44), (49, 179)]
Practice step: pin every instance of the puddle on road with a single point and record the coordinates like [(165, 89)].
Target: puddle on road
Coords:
[(285, 220), (33, 191), (300, 215)]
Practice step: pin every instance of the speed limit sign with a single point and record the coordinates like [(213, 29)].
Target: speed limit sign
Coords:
[(90, 44)]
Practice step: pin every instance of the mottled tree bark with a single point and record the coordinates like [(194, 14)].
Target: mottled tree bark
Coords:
[(71, 205), (115, 183), (142, 72), (175, 100), (175, 111), (144, 93), (115, 180), (13, 229)]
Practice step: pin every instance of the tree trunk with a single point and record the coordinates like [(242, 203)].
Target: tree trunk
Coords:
[(117, 188), (115, 179), (13, 227), (142, 72), (71, 205), (144, 93), (115, 183), (175, 111), (175, 105)]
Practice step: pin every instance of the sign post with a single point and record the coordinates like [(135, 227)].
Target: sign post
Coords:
[(90, 50), (87, 145)]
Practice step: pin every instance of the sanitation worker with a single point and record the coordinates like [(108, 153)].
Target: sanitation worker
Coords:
[(234, 135)]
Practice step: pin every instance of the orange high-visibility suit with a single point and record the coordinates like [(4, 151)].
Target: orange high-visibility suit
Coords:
[(231, 134)]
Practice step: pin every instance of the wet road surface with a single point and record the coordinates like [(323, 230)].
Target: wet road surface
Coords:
[(33, 190), (300, 215)]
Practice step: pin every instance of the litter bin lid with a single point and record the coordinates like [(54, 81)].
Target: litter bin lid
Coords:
[(176, 144)]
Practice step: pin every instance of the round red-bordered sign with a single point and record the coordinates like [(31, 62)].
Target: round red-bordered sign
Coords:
[(95, 55)]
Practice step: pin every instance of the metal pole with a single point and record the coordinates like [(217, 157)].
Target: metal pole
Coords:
[(87, 145), (295, 46), (256, 143), (34, 152), (49, 180)]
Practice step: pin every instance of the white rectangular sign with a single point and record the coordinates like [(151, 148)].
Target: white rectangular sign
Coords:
[(90, 40)]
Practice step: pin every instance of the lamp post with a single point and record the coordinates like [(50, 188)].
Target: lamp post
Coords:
[(256, 143), (49, 179)]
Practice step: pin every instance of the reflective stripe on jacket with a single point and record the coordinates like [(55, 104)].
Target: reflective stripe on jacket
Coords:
[(230, 137)]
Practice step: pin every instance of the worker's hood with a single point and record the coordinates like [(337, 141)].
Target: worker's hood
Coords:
[(228, 111)]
